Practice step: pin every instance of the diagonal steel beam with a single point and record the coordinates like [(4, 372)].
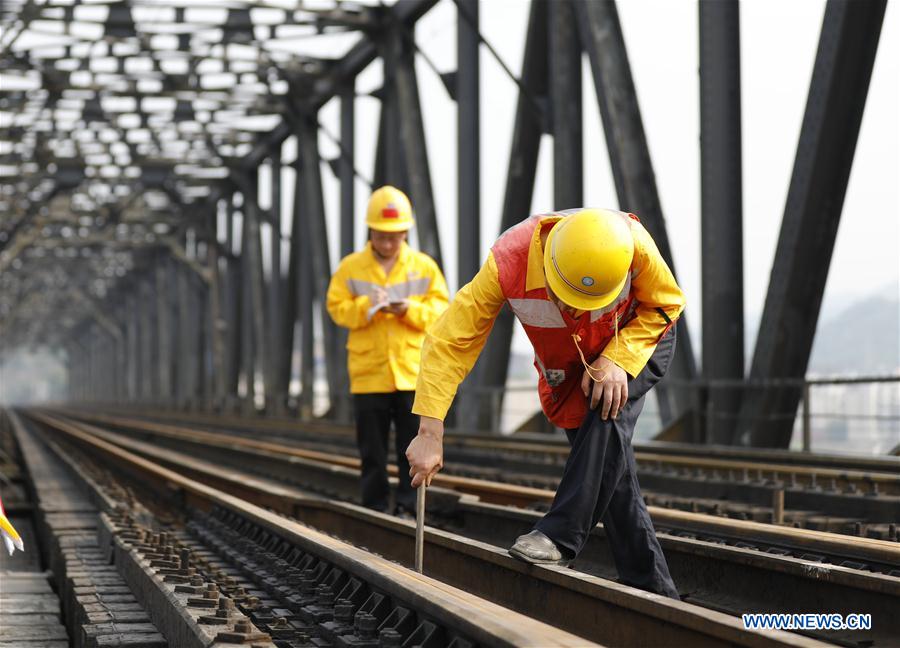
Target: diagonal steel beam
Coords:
[(406, 12), (493, 365), (828, 136), (407, 111), (602, 38)]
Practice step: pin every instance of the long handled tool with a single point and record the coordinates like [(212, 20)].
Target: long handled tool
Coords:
[(420, 527)]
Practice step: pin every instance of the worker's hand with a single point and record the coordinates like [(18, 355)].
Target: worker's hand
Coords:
[(426, 452), (611, 393), (380, 297), (398, 308)]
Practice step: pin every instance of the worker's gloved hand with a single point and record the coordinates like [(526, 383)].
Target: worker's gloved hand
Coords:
[(426, 452), (611, 392), (380, 298)]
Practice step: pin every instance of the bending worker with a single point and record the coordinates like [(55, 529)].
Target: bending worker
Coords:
[(598, 303), (386, 294)]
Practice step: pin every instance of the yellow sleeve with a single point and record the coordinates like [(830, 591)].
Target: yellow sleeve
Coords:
[(455, 341), (660, 303), (424, 309), (345, 308)]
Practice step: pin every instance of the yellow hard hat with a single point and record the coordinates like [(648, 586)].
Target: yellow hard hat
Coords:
[(587, 258), (389, 210)]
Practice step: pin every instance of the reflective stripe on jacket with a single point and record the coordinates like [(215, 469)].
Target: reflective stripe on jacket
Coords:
[(383, 350), (513, 274)]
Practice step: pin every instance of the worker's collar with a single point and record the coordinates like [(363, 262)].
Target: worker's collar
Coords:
[(402, 256), (534, 274)]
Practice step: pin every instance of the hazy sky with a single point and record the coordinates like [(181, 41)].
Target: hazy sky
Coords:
[(778, 45)]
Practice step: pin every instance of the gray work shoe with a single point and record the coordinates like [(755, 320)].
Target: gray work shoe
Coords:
[(538, 549)]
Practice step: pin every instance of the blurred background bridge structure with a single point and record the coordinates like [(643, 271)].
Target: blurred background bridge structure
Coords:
[(164, 237)]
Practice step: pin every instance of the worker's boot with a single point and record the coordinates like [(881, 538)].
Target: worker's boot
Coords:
[(538, 549)]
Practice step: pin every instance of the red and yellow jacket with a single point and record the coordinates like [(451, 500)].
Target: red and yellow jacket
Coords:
[(625, 332)]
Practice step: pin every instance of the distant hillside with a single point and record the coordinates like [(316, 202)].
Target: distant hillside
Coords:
[(864, 338)]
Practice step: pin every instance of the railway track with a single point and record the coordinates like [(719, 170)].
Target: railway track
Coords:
[(213, 569), (524, 442), (778, 568), (855, 502)]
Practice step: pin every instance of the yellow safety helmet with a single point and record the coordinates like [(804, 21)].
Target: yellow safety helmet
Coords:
[(389, 210), (587, 258)]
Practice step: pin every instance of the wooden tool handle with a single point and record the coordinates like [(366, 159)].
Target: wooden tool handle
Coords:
[(420, 527)]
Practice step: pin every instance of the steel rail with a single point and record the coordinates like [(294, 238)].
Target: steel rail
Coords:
[(484, 621), (540, 443), (849, 547), (863, 500), (580, 603)]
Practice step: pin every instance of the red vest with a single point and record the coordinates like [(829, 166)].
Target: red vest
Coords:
[(550, 330)]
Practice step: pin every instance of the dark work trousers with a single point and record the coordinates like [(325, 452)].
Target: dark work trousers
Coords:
[(600, 482), (374, 413)]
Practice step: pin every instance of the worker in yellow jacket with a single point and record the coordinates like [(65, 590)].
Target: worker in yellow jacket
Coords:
[(387, 295), (598, 303)]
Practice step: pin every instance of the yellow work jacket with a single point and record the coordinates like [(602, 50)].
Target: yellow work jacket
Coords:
[(455, 341), (383, 349)]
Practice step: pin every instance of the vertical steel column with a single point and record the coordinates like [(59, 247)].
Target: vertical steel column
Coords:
[(380, 166), (466, 93), (256, 356), (148, 342), (721, 215), (565, 107), (122, 355), (245, 314), (411, 131), (390, 149), (292, 287), (346, 165), (468, 105), (493, 366), (317, 233), (164, 326), (187, 308), (834, 109), (217, 324), (277, 390), (153, 325), (233, 297), (202, 341), (77, 362), (601, 35), (305, 295), (134, 347), (91, 357), (348, 207), (179, 377)]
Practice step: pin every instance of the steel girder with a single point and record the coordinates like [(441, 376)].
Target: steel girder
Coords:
[(468, 106), (275, 387), (315, 231), (722, 251), (493, 366), (565, 106), (632, 168), (828, 136)]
